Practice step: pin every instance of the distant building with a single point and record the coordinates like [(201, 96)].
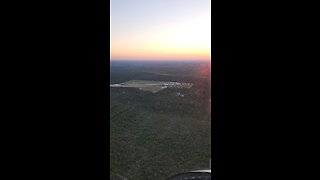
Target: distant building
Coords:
[(179, 94)]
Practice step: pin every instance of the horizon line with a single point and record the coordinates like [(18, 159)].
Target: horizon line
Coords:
[(160, 60)]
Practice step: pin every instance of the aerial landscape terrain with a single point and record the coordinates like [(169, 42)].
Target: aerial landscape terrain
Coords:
[(160, 118)]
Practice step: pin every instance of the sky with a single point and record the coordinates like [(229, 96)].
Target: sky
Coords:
[(160, 29)]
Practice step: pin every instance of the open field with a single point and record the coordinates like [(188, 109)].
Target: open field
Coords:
[(152, 86), (155, 135)]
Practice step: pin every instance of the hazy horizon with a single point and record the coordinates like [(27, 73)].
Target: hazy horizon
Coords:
[(176, 30)]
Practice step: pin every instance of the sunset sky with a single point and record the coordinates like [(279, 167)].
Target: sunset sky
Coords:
[(160, 29)]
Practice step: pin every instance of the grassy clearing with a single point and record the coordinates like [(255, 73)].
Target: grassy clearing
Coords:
[(152, 86)]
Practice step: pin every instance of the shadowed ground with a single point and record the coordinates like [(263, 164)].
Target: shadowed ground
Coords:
[(155, 135)]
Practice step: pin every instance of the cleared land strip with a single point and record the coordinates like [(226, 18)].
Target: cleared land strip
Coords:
[(152, 86)]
